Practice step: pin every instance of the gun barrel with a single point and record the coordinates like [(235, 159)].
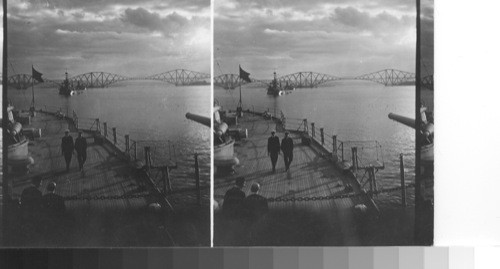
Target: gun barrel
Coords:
[(199, 119), (404, 120)]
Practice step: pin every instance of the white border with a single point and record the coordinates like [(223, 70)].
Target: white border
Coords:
[(467, 117)]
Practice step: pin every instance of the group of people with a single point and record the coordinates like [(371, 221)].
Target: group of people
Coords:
[(68, 147), (33, 200), (274, 147), (238, 205), (42, 215)]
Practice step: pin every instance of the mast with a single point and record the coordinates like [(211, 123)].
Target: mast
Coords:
[(419, 190), (240, 104), (32, 108)]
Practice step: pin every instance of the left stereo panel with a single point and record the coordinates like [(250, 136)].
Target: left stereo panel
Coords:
[(107, 125)]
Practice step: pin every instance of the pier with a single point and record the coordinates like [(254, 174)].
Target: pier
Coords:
[(122, 199)]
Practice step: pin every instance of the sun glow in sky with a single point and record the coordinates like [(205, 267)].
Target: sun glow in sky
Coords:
[(337, 37), (126, 37)]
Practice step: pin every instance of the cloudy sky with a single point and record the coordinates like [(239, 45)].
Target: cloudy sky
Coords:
[(126, 37), (337, 37), (427, 37)]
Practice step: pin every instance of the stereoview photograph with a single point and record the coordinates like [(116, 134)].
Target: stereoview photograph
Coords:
[(102, 146), (314, 124)]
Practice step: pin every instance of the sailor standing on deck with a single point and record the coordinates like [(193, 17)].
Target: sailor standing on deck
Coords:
[(233, 199), (32, 196), (287, 148), (273, 148), (67, 148), (255, 205), (81, 150)]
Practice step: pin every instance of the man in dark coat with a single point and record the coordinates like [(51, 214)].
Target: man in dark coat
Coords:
[(255, 204), (81, 150), (31, 205), (273, 148), (233, 200), (31, 197), (53, 203), (54, 220), (287, 148), (67, 148)]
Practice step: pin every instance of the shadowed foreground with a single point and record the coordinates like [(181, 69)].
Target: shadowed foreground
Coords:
[(106, 206)]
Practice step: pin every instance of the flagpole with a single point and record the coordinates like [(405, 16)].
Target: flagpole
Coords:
[(32, 90), (240, 104)]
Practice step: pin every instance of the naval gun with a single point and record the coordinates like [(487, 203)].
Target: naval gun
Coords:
[(224, 158), (426, 132), (17, 141)]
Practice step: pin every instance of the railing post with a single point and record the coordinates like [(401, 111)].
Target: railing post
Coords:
[(197, 175), (354, 156), (114, 135), (167, 173), (402, 175), (334, 151), (135, 151), (166, 180), (342, 145), (306, 127), (373, 180), (75, 119), (127, 144), (147, 158), (98, 125), (105, 127), (322, 133), (313, 131)]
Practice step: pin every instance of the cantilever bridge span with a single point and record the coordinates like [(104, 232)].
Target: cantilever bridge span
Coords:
[(178, 77), (388, 77)]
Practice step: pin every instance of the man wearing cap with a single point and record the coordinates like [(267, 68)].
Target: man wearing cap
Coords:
[(287, 148), (54, 221), (31, 196), (273, 148), (233, 200), (31, 199), (52, 202), (255, 204), (67, 148), (81, 150)]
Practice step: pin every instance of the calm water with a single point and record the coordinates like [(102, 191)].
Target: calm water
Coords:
[(353, 110), (146, 110)]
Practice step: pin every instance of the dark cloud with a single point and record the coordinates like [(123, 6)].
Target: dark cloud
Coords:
[(153, 21), (402, 5), (78, 15), (352, 17), (380, 24), (427, 37), (96, 5)]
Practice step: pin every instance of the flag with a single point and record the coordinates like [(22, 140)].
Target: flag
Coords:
[(244, 75), (36, 75)]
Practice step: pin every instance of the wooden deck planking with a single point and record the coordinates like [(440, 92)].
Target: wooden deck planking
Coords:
[(104, 173), (310, 175)]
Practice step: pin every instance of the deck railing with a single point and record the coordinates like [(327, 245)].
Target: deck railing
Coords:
[(366, 153), (157, 156)]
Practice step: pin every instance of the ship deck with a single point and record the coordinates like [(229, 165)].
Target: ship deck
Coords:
[(105, 174), (311, 174), (97, 222)]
